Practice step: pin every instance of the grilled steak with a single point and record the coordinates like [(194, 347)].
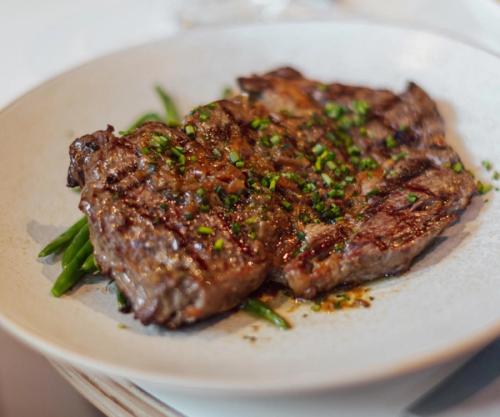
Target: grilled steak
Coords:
[(309, 184)]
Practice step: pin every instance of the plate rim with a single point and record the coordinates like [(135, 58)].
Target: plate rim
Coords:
[(181, 383)]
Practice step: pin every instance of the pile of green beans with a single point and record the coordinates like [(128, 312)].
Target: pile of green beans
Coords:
[(78, 257)]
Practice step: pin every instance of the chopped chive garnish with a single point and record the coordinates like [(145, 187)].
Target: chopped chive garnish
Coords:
[(236, 160), (286, 205), (327, 180), (487, 165), (349, 179), (275, 139), (336, 193), (353, 150), (270, 181), (318, 149), (301, 235), (264, 141), (496, 176), (483, 188), (367, 164), (334, 210), (339, 247), (190, 130), (178, 152), (219, 244), (373, 192), (252, 235), (179, 149), (399, 156), (412, 198), (332, 165), (234, 157), (316, 307), (158, 143), (204, 115), (205, 230), (361, 107), (145, 150), (457, 167), (319, 206), (235, 228), (200, 192), (333, 110), (345, 122), (260, 124), (309, 187), (252, 220), (216, 153), (230, 200), (390, 142)]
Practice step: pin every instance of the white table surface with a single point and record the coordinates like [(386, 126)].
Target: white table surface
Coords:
[(40, 39)]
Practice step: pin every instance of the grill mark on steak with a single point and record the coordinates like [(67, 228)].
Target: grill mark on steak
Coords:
[(278, 165)]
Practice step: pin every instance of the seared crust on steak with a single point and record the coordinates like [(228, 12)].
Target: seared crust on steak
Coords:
[(309, 184)]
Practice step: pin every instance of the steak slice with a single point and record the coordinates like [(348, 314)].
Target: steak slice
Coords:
[(309, 184), (393, 210)]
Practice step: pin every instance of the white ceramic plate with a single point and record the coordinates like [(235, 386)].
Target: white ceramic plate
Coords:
[(448, 303)]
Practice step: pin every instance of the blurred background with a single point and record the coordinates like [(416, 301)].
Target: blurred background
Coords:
[(39, 40)]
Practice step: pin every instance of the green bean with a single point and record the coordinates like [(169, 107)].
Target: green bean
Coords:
[(262, 310), (123, 304), (76, 244), (72, 272), (64, 239), (147, 117), (171, 114), (90, 266)]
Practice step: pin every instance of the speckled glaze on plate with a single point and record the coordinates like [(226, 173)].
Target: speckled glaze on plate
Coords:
[(447, 304)]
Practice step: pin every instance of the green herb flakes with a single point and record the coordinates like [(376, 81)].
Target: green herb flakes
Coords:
[(488, 166), (286, 205), (260, 124), (190, 130), (390, 142), (333, 110), (235, 228), (219, 244), (204, 230), (412, 198), (360, 107), (399, 156), (457, 167), (275, 139), (483, 188)]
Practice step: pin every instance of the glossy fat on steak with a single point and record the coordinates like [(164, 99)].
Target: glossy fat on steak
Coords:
[(309, 184)]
